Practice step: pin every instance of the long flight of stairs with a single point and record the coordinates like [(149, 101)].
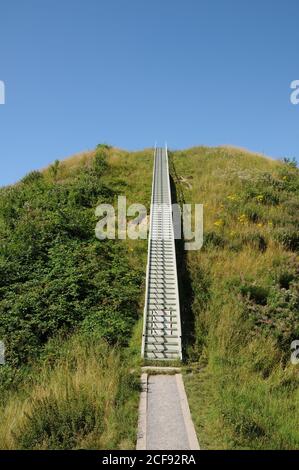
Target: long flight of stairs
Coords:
[(162, 326)]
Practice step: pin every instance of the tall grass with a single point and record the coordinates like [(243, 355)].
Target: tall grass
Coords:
[(243, 391), (81, 400), (81, 393)]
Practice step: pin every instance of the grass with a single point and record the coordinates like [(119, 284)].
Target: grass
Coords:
[(243, 393), (240, 294), (77, 397), (78, 391)]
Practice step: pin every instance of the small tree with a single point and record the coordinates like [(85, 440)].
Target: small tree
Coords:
[(54, 169), (290, 162), (100, 164), (104, 146)]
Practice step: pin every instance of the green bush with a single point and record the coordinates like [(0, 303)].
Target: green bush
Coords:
[(265, 196), (274, 311), (54, 168), (288, 237), (291, 162), (104, 146), (285, 278), (255, 294), (32, 177), (100, 164), (213, 240), (54, 273), (256, 240), (253, 213)]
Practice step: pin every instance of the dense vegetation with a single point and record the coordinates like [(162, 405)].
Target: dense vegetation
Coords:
[(243, 388), (67, 302), (54, 273), (71, 305)]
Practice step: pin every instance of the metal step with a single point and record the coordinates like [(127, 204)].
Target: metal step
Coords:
[(169, 340), (157, 355), (162, 347), (163, 331)]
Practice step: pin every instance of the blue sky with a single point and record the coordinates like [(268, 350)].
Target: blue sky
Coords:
[(129, 72)]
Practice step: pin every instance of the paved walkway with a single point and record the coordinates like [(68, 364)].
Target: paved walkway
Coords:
[(165, 422)]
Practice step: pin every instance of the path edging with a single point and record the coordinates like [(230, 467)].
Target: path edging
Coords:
[(190, 429), (142, 414)]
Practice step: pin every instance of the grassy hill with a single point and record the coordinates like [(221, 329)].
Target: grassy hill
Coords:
[(243, 390), (71, 305)]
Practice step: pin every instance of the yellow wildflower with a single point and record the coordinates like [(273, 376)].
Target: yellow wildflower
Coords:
[(218, 223), (232, 197), (243, 219)]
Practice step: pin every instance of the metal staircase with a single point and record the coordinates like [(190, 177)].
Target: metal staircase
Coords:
[(161, 338)]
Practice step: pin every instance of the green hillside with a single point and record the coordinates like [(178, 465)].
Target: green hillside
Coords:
[(71, 305), (243, 389)]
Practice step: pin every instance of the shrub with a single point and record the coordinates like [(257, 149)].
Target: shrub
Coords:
[(290, 177), (275, 311), (253, 213), (54, 273), (267, 179), (254, 293), (291, 162), (213, 239), (288, 237), (100, 164), (285, 278), (104, 146), (53, 169), (111, 323), (32, 177), (264, 196), (256, 240)]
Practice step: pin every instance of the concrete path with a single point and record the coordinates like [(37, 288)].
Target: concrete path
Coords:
[(164, 420)]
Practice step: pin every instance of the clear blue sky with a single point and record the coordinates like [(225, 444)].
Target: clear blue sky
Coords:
[(129, 72)]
